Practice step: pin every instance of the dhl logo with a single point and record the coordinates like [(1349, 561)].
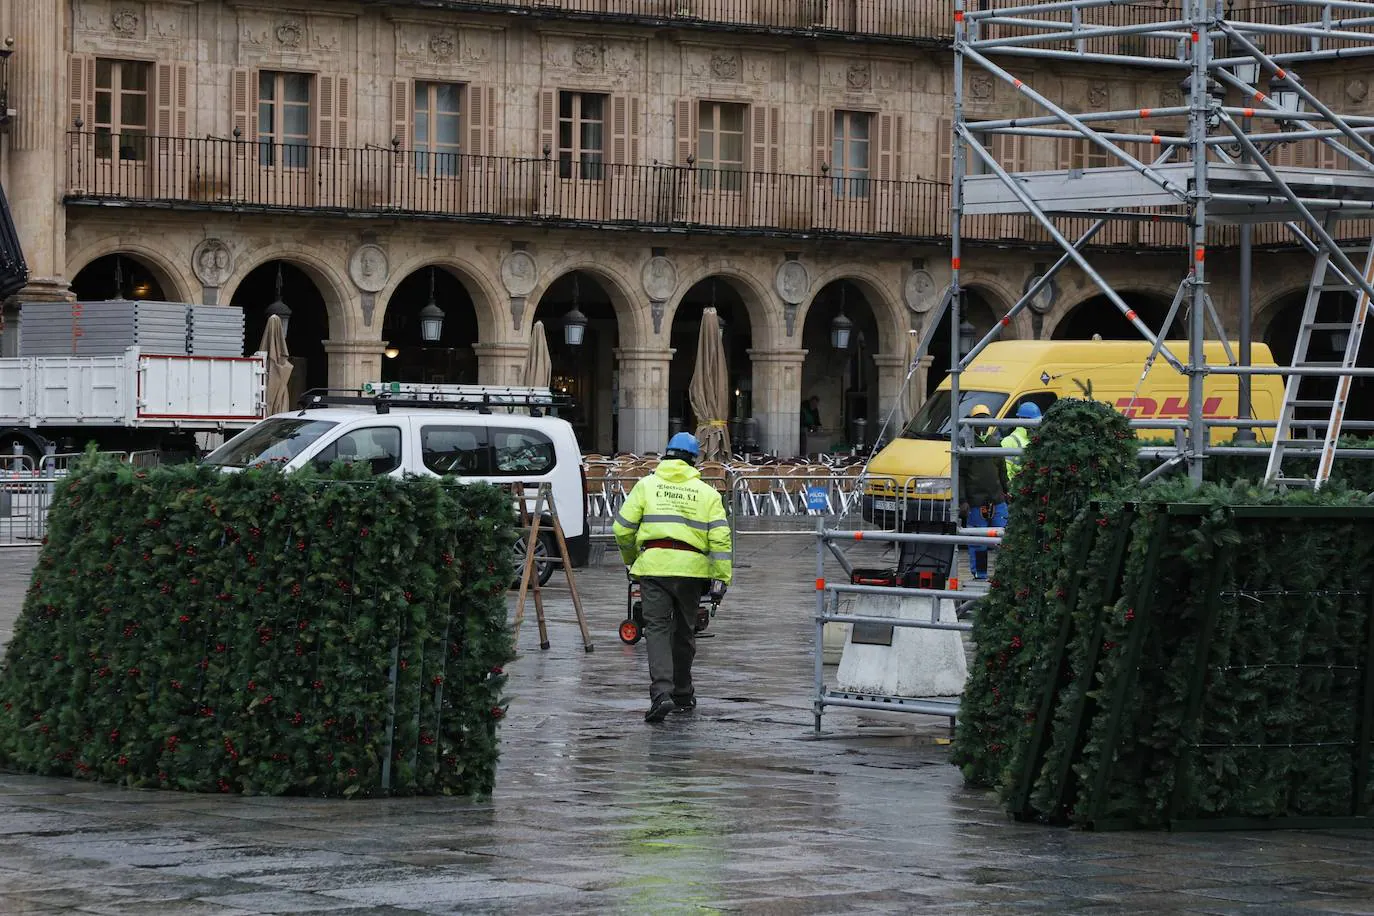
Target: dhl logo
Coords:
[(1149, 408)]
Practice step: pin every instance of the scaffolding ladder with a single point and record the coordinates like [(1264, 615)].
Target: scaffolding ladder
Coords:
[(1326, 278)]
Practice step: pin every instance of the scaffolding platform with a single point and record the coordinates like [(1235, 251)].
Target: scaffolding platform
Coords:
[(1346, 194)]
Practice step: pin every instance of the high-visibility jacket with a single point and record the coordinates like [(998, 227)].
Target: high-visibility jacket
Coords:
[(673, 504), (1017, 438)]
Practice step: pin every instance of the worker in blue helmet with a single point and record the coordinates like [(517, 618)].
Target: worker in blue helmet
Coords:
[(673, 534), (1019, 437)]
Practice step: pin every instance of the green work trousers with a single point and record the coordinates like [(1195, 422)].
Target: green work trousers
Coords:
[(670, 619)]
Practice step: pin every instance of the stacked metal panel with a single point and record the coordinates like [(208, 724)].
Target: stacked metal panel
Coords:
[(109, 328), (214, 330)]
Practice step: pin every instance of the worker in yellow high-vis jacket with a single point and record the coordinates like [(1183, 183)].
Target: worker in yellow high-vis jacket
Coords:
[(673, 534)]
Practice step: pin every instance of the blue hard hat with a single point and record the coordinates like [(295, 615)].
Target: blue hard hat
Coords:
[(1028, 411), (685, 443)]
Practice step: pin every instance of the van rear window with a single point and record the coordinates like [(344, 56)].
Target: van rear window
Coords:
[(521, 451), (455, 451)]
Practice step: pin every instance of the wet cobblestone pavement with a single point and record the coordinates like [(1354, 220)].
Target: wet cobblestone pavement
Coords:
[(735, 808)]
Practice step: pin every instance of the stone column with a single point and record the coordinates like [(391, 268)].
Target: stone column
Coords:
[(920, 381), (777, 399), (500, 363), (353, 363), (891, 387), (38, 90), (643, 399)]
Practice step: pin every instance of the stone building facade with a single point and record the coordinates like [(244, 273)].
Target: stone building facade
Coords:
[(783, 162)]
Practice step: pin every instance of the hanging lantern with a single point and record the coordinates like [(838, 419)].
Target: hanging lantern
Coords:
[(966, 334), (431, 317), (574, 322), (840, 329), (278, 307)]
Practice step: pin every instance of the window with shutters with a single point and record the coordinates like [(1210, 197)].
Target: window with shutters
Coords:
[(1088, 155), (849, 148), (720, 145), (581, 135), (437, 129), (121, 109), (284, 118)]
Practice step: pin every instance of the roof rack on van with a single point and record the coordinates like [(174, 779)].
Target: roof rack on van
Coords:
[(483, 398)]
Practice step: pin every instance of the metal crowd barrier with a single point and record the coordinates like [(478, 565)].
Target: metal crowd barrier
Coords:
[(828, 610), (24, 500)]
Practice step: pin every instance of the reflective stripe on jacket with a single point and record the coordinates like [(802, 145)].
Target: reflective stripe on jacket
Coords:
[(674, 503), (1017, 438)]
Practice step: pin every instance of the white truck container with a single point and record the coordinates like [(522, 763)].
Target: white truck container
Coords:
[(129, 402)]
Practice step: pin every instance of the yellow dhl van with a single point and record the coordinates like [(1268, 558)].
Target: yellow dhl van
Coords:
[(911, 476)]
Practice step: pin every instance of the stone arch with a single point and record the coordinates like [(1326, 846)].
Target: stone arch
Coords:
[(887, 307), (177, 285), (630, 319), (1270, 307), (1156, 296), (766, 327), (493, 317), (333, 287)]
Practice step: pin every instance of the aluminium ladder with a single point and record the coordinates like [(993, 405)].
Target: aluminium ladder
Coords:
[(1335, 390)]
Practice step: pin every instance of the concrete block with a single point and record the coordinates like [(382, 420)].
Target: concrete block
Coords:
[(919, 663)]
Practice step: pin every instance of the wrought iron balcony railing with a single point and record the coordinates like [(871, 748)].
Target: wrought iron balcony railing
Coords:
[(902, 20), (214, 174)]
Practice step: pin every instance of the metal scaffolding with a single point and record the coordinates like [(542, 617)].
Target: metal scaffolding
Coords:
[(1200, 163)]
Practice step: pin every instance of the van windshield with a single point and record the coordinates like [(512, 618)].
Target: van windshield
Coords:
[(277, 440), (932, 421)]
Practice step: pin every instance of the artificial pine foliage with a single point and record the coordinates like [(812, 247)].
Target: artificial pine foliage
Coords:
[(1082, 449), (263, 633)]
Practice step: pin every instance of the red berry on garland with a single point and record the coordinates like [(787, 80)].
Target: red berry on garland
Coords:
[(1130, 614), (437, 680), (497, 712), (184, 618), (498, 670)]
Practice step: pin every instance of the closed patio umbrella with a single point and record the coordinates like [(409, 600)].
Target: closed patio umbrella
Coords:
[(538, 372), (278, 366), (710, 391)]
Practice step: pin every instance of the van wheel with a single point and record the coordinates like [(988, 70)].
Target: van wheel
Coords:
[(543, 568)]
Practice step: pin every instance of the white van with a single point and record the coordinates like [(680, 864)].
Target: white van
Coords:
[(400, 435)]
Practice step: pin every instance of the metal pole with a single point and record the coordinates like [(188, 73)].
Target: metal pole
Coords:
[(956, 227), (1247, 237), (820, 621), (1199, 104)]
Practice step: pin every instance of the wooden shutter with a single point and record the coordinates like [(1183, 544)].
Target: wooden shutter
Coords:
[(402, 94), (482, 109), (477, 120), (333, 131), (822, 140), (244, 100), (890, 146), (625, 129), (81, 92), (685, 125), (548, 122), (172, 86), (764, 127), (944, 139), (1010, 151)]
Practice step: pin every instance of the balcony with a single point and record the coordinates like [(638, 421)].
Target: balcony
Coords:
[(901, 21), (182, 173)]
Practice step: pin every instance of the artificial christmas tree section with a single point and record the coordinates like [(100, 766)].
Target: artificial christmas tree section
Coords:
[(263, 633), (1083, 448)]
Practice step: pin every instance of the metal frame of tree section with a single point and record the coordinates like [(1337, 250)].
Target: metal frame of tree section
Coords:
[(1227, 179)]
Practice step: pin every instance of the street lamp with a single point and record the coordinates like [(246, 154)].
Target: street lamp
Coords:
[(1284, 92), (574, 323), (278, 307), (840, 329), (966, 334), (431, 316)]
